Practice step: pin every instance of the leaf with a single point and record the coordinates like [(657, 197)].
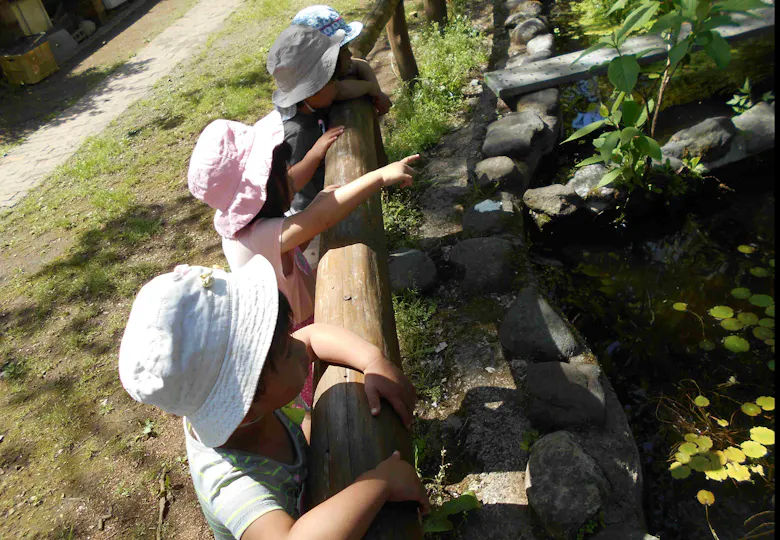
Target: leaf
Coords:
[(680, 306), (738, 472), (750, 409), (590, 161), (627, 134), (585, 130), (636, 19), (705, 497), (763, 435), (721, 312), (688, 448), (610, 142), (620, 4), (747, 318), (759, 272), (707, 345), (770, 311), (737, 5), (679, 471), (678, 52), (603, 110), (736, 344), (731, 324), (433, 523), (650, 147), (609, 177), (720, 421), (465, 502), (670, 21), (740, 292), (767, 323), (719, 474), (762, 333), (701, 401), (761, 300), (734, 454), (631, 112), (753, 449), (623, 72), (682, 457), (691, 437), (699, 463), (766, 402), (704, 443), (718, 20), (757, 469)]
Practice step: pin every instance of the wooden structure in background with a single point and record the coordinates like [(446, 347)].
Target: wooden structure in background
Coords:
[(353, 291), (436, 11)]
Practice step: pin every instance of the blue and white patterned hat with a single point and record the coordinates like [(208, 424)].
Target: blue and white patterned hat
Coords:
[(327, 20)]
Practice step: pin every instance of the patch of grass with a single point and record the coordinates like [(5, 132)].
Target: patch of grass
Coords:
[(402, 214)]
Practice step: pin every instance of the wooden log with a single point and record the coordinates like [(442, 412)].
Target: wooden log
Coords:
[(373, 24), (436, 11), (353, 291), (398, 35)]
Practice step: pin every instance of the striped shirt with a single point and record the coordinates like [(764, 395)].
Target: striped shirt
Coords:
[(235, 488)]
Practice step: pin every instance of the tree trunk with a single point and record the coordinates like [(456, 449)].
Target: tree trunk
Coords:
[(398, 35), (373, 24), (436, 11), (353, 291)]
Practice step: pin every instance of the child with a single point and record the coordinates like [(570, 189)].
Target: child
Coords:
[(215, 348), (241, 172), (303, 63)]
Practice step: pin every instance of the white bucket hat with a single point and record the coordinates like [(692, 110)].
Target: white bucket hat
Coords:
[(196, 342), (328, 21), (302, 61)]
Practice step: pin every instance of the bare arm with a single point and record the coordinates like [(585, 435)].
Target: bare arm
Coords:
[(303, 171)]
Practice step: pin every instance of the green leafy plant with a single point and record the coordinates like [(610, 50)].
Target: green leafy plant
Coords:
[(529, 439), (628, 148), (742, 100), (591, 526), (438, 519), (148, 430)]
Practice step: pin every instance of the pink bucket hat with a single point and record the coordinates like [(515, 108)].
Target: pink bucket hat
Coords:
[(229, 169)]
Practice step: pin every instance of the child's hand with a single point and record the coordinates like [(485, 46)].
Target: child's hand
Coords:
[(384, 379), (402, 481), (399, 172), (320, 148), (382, 103)]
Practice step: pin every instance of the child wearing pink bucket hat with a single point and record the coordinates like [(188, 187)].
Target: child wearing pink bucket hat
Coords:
[(216, 348)]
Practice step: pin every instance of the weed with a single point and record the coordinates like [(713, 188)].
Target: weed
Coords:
[(592, 525), (529, 439)]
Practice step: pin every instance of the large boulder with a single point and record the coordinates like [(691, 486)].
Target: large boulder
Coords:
[(551, 203), (486, 264), (502, 171), (542, 102), (490, 216), (543, 43), (533, 329), (527, 30), (411, 269), (757, 127), (514, 135), (565, 396), (522, 11), (710, 140), (524, 59), (585, 184), (565, 486)]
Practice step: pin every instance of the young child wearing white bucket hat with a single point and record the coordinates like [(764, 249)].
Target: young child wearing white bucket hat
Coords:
[(215, 348)]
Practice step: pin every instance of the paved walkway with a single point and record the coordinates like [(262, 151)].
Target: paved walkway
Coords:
[(31, 162)]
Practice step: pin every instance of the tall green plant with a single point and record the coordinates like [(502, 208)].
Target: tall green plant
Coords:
[(629, 147)]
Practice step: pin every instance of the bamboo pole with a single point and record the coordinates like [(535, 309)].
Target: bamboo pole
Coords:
[(398, 35), (353, 291), (373, 24)]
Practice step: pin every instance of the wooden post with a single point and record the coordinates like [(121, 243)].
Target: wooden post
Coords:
[(373, 24), (353, 291), (436, 11), (398, 35)]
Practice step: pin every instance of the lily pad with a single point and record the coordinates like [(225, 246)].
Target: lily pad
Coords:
[(771, 363), (757, 469), (721, 457), (688, 448), (747, 318), (766, 402), (736, 344), (767, 323), (679, 471), (680, 306), (772, 263), (700, 463), (721, 312), (761, 300), (746, 249), (762, 332), (751, 409), (769, 342), (753, 449), (741, 293), (704, 443), (762, 435), (707, 345), (770, 311), (738, 472), (719, 475), (732, 324), (720, 421), (682, 457), (734, 454), (691, 437), (701, 401), (705, 497), (759, 271)]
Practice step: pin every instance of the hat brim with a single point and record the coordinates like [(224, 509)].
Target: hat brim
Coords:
[(354, 31), (316, 79), (254, 308)]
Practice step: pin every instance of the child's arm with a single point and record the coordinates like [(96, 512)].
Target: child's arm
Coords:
[(303, 171), (367, 83), (331, 206), (337, 345), (349, 513)]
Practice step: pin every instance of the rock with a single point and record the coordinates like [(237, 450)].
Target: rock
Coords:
[(533, 329), (584, 183), (565, 486), (565, 396), (527, 30), (486, 263), (502, 170), (555, 200), (551, 135), (543, 102), (489, 216), (543, 43), (513, 135), (523, 59), (710, 139), (622, 532), (411, 269), (757, 127), (523, 11)]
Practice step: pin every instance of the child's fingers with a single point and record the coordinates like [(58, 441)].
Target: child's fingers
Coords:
[(410, 159), (400, 407), (372, 396)]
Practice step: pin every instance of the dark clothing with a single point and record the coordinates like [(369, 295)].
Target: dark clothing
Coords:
[(302, 131)]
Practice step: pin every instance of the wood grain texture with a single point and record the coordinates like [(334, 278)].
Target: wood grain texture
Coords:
[(398, 36), (353, 291), (373, 23)]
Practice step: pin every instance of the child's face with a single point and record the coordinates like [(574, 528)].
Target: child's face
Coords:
[(324, 97), (284, 384), (344, 62)]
